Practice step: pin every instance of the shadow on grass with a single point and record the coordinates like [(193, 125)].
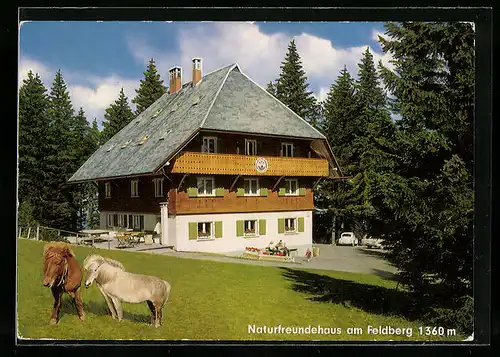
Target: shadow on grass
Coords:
[(370, 298), (99, 308), (384, 274), (376, 253)]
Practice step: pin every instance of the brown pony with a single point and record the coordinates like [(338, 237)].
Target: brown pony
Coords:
[(62, 273)]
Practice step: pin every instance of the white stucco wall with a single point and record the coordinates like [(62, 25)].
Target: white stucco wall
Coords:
[(172, 228), (149, 222), (230, 243), (102, 220)]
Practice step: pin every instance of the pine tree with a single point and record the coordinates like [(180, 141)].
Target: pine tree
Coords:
[(61, 158), (33, 129), (340, 111), (271, 88), (369, 93), (150, 89), (292, 86), (432, 199), (117, 116), (95, 134)]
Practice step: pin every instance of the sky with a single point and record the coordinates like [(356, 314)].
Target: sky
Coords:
[(97, 59)]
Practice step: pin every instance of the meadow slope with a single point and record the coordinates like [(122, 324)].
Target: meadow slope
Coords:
[(216, 301)]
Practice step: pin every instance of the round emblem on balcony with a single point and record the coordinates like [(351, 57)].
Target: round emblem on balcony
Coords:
[(261, 165)]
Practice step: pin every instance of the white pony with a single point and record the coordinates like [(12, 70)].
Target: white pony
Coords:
[(117, 285)]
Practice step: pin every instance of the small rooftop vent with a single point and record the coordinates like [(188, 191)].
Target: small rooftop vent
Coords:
[(111, 147), (126, 144), (165, 134), (157, 113), (143, 140)]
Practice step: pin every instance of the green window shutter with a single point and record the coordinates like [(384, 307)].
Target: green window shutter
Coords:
[(219, 192), (192, 192), (193, 230), (239, 228), (218, 229), (281, 191), (240, 192), (262, 227), (302, 191), (301, 224), (281, 225), (263, 191)]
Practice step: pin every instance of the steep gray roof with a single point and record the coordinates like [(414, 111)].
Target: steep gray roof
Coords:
[(225, 99)]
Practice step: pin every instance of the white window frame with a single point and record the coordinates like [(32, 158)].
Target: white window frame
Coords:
[(295, 222), (296, 193), (256, 228), (121, 222), (158, 187), (248, 144), (206, 148), (107, 189), (250, 179), (134, 184), (211, 233), (203, 179), (136, 220), (110, 219), (285, 147)]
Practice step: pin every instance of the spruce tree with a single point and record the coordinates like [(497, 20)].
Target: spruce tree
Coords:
[(430, 231), (95, 135), (292, 87), (117, 116), (340, 112), (150, 89), (61, 157), (33, 129), (271, 88)]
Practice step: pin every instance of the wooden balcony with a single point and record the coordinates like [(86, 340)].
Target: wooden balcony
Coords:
[(232, 164)]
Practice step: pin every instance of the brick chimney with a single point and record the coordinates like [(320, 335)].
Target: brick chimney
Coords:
[(175, 79), (197, 74)]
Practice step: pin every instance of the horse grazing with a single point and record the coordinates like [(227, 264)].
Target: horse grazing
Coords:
[(117, 285), (62, 273)]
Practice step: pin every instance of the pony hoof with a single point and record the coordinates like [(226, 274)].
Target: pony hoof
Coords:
[(53, 321), (82, 317)]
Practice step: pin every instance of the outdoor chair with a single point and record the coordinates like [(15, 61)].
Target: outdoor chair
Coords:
[(148, 239)]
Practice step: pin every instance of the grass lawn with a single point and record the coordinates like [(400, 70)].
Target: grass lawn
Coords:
[(217, 301)]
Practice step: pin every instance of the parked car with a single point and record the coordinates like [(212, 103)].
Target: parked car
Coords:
[(348, 238), (373, 242)]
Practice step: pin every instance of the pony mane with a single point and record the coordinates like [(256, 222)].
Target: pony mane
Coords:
[(101, 260), (59, 248)]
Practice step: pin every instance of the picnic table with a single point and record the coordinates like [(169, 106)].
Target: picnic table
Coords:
[(92, 234), (129, 239)]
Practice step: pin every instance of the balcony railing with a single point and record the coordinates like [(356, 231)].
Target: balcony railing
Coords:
[(229, 164)]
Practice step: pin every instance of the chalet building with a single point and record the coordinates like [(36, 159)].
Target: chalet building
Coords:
[(217, 163)]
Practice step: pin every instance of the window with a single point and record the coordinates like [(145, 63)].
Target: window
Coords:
[(138, 221), (107, 189), (205, 230), (250, 147), (209, 144), (251, 186), (290, 225), (287, 149), (158, 182), (250, 228), (134, 188), (291, 187), (110, 220), (206, 186), (122, 220)]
